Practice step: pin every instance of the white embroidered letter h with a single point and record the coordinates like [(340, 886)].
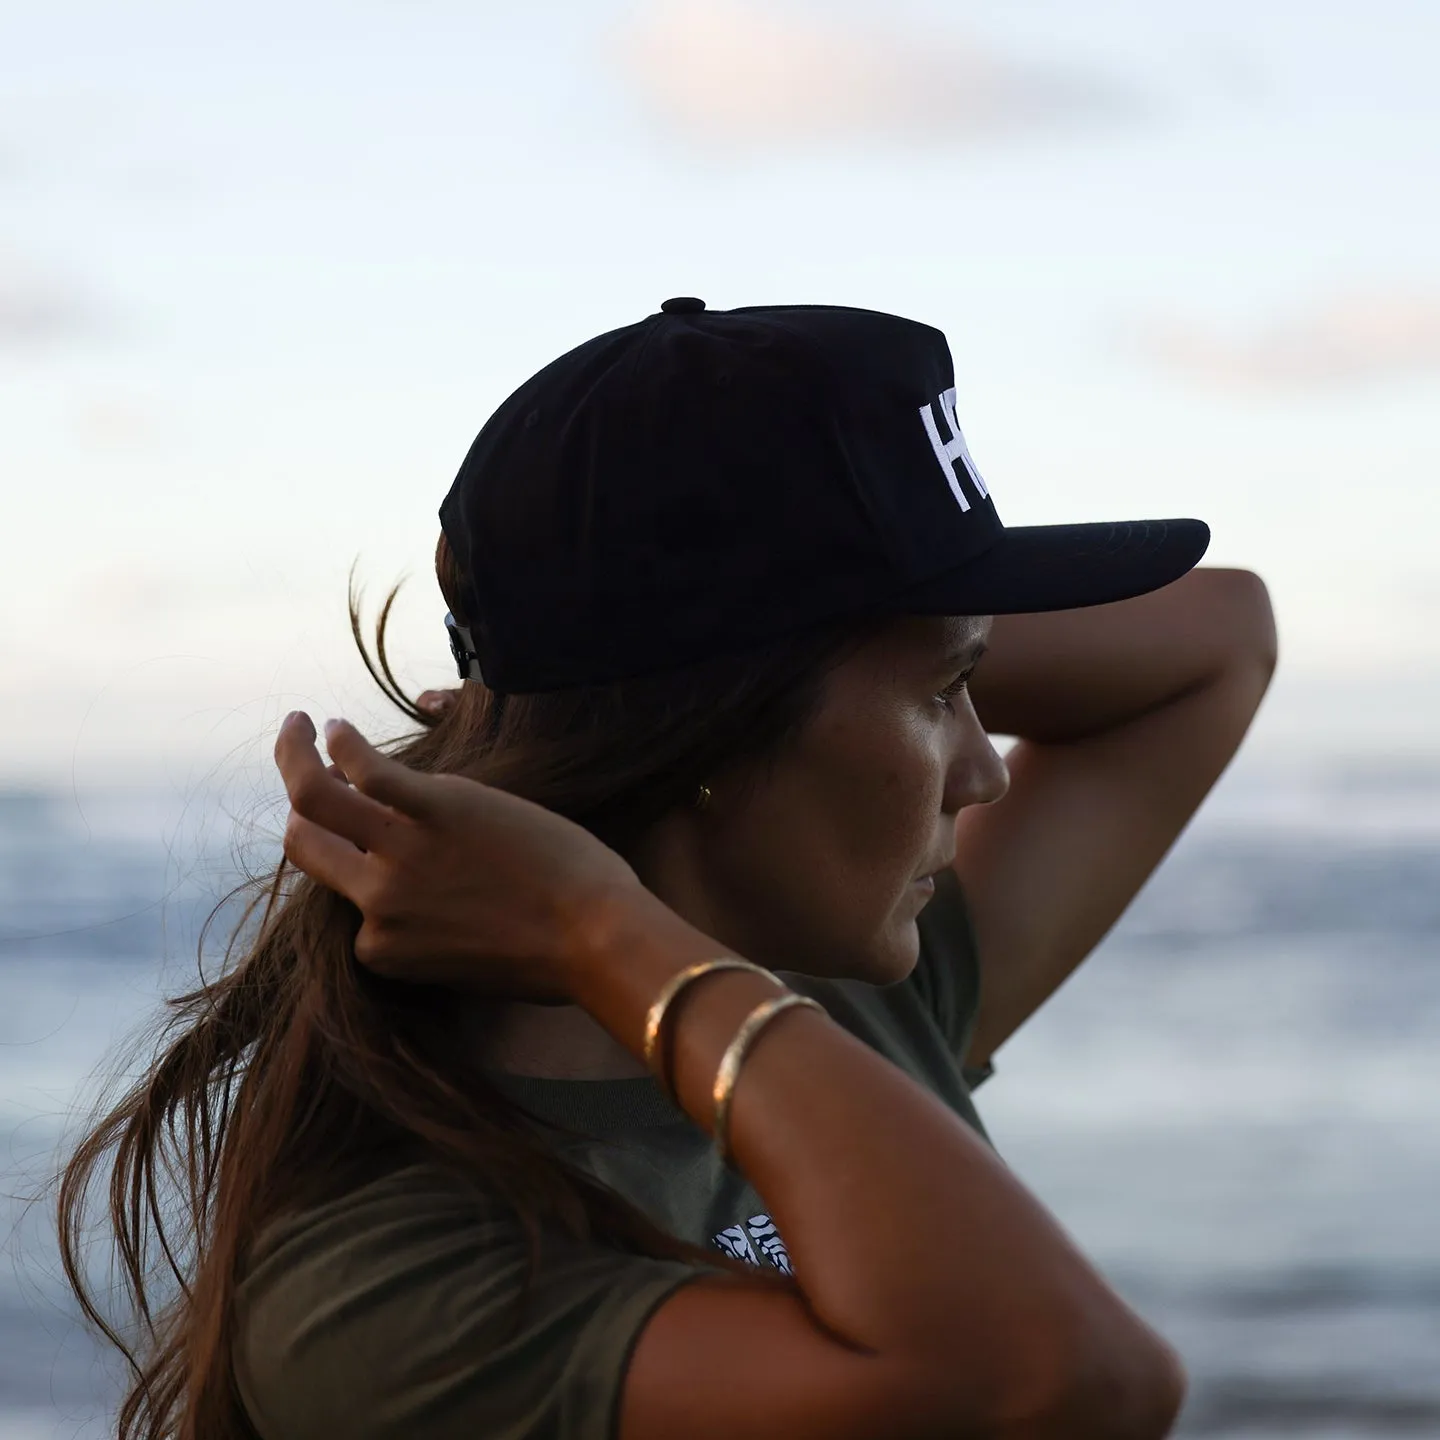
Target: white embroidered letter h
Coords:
[(948, 451)]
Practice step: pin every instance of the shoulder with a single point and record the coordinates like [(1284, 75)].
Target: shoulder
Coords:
[(333, 1288), (409, 1305), (405, 1199)]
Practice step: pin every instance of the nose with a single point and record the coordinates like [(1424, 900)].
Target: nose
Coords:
[(978, 774)]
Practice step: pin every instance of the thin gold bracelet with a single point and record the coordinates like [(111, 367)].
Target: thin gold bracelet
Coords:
[(655, 1016), (734, 1058)]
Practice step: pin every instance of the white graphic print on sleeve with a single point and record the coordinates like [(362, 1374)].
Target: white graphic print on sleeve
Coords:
[(755, 1239), (736, 1244)]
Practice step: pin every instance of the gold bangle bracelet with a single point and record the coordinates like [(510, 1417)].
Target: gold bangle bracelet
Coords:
[(734, 1058), (655, 1016)]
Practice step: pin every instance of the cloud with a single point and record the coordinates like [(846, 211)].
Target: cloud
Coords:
[(117, 422), (725, 72), (1358, 337), (34, 309), (126, 591)]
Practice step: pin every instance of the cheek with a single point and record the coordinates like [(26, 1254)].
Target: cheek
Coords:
[(892, 820), (823, 859), (870, 901), (874, 826)]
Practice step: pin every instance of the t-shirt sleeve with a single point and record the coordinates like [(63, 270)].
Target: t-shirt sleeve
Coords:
[(395, 1313), (947, 974)]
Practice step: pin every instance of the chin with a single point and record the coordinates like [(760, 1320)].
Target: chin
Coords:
[(877, 950), (894, 956)]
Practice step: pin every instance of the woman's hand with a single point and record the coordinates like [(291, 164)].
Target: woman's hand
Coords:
[(458, 883)]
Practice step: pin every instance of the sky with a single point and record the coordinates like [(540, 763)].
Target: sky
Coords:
[(266, 270)]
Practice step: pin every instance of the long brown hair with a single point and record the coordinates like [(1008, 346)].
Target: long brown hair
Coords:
[(271, 1083)]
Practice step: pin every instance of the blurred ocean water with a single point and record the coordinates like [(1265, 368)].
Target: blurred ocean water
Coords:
[(1233, 1107)]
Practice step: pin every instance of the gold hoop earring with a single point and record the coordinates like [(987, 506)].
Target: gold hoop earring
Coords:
[(702, 798)]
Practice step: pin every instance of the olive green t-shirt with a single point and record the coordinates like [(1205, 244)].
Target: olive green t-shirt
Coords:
[(390, 1312)]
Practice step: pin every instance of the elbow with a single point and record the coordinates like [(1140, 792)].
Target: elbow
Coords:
[(1239, 603), (1129, 1391), (1145, 1392), (1260, 630)]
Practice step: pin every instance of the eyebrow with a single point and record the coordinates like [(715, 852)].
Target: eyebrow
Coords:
[(966, 654)]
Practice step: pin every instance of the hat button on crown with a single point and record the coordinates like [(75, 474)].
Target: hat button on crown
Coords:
[(682, 305)]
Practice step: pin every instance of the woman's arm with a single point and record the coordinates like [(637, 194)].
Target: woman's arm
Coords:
[(1126, 714), (933, 1296)]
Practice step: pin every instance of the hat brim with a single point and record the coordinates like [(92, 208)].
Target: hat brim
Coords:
[(1064, 567)]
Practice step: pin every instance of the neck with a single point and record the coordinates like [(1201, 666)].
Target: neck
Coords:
[(555, 1042), (562, 1042)]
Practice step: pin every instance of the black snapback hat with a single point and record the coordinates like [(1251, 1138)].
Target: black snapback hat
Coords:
[(703, 481)]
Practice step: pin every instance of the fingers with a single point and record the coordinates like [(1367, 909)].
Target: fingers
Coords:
[(325, 796), (325, 856), (378, 776)]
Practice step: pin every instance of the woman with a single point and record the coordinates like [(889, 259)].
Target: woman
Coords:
[(477, 1140)]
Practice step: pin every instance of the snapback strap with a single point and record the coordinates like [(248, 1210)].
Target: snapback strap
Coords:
[(462, 647)]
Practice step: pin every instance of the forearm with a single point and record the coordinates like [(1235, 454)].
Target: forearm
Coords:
[(1128, 714), (1052, 867), (911, 1241), (1065, 675)]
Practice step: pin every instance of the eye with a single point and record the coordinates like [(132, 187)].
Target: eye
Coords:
[(954, 688)]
